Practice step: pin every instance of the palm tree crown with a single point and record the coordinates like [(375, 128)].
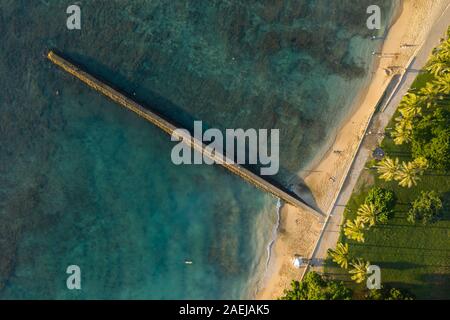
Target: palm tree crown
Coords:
[(388, 168), (368, 214), (407, 176), (359, 270), (340, 255), (410, 106), (354, 230)]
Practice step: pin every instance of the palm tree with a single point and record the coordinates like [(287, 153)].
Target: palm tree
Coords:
[(340, 255), (421, 164), (407, 176), (368, 214), (442, 84), (410, 106), (354, 230), (359, 270), (429, 90), (443, 50), (403, 131), (430, 93), (404, 124), (438, 65), (388, 168), (405, 121)]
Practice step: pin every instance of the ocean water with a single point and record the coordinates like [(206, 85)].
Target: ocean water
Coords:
[(85, 182)]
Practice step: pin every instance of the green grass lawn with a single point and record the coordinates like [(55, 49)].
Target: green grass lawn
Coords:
[(412, 257)]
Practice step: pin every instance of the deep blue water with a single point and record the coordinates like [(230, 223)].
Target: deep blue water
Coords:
[(85, 182)]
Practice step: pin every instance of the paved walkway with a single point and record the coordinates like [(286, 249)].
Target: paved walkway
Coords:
[(330, 233)]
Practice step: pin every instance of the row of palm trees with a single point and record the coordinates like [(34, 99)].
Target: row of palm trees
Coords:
[(365, 219), (358, 267), (391, 169), (413, 103), (438, 64), (406, 173), (354, 230)]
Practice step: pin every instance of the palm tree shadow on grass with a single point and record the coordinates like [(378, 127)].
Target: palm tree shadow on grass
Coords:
[(446, 207), (400, 265), (438, 284), (431, 286)]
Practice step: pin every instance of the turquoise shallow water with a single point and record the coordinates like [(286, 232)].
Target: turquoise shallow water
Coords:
[(84, 182)]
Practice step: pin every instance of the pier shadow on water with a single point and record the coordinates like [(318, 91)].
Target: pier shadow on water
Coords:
[(83, 182)]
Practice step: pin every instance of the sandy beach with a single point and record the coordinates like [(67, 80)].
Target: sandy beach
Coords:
[(299, 231)]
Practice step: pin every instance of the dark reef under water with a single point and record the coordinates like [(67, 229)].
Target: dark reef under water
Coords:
[(84, 182)]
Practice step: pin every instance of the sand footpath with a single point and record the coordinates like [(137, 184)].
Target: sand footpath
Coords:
[(299, 231)]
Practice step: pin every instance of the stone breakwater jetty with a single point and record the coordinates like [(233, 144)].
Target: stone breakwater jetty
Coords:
[(169, 128)]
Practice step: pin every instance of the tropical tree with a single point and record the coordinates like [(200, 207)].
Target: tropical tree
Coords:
[(315, 287), (444, 50), (430, 92), (425, 208), (407, 175), (354, 230), (409, 172), (368, 214), (442, 84), (384, 202), (410, 106), (403, 131), (388, 293), (440, 61), (388, 168), (438, 65), (358, 270), (340, 255), (431, 139), (421, 164), (397, 294)]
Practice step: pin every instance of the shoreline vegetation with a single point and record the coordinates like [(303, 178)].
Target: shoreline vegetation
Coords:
[(299, 234), (410, 243)]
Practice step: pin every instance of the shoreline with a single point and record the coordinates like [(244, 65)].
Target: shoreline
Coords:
[(358, 100), (300, 234)]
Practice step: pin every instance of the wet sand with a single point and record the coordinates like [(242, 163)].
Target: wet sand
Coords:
[(299, 232)]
